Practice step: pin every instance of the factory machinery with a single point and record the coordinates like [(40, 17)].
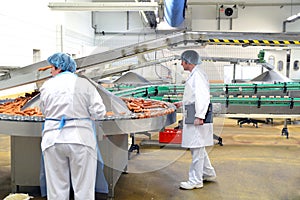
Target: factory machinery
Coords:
[(112, 135), (243, 101), (112, 131)]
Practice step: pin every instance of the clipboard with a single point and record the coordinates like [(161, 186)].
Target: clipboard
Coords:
[(191, 111)]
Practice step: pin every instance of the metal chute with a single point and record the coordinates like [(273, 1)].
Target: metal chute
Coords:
[(271, 77)]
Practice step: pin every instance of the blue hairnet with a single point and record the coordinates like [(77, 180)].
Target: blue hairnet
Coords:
[(191, 56), (62, 61)]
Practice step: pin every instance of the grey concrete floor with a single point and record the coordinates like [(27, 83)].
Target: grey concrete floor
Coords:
[(254, 163)]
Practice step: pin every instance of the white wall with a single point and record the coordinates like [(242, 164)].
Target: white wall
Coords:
[(295, 72), (245, 73), (78, 33), (250, 19), (117, 22), (278, 55), (204, 18), (24, 29)]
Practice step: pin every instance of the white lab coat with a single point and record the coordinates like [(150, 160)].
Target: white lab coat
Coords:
[(73, 97), (197, 90)]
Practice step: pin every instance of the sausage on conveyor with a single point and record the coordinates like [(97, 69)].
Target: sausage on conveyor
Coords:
[(14, 108), (44, 68)]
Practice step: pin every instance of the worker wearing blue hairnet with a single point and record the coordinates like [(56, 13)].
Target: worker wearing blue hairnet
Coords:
[(62, 61), (197, 131), (69, 103)]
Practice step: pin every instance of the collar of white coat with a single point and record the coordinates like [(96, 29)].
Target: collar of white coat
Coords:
[(193, 71), (66, 72)]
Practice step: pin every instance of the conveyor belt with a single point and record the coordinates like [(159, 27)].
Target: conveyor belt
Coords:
[(219, 89), (232, 96), (242, 104), (121, 121), (225, 89), (259, 100), (29, 74), (253, 88)]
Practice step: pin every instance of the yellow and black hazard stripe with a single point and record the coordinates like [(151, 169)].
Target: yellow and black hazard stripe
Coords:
[(254, 42)]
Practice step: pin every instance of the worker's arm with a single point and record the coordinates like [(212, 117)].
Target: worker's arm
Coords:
[(178, 104)]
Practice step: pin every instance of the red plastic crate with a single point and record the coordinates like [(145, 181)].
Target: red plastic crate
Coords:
[(173, 136)]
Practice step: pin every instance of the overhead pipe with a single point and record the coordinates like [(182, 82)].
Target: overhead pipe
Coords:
[(174, 11), (103, 6), (290, 19)]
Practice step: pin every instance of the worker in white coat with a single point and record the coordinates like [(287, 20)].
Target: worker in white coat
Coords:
[(197, 134), (69, 104)]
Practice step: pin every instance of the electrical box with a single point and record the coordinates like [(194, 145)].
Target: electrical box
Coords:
[(228, 12)]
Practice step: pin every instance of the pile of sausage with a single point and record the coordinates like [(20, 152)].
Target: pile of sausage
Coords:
[(147, 108), (14, 108), (143, 108)]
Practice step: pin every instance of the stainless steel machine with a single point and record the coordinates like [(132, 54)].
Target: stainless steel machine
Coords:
[(112, 136)]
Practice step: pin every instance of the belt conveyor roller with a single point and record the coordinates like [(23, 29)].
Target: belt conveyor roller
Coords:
[(278, 100), (255, 89), (236, 99), (230, 95), (215, 89)]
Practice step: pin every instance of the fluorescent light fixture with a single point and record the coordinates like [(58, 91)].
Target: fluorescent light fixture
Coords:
[(104, 6), (293, 17), (290, 19)]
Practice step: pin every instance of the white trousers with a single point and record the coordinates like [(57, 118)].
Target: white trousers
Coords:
[(200, 166), (70, 162)]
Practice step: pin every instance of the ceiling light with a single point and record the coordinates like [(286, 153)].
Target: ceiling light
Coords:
[(291, 18)]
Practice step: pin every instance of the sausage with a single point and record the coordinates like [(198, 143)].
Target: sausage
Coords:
[(145, 108), (44, 68), (14, 108)]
